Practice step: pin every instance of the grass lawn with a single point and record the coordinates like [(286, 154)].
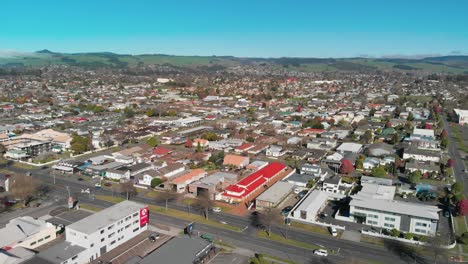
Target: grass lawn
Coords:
[(174, 213), (458, 138), (282, 239), (460, 222), (151, 194), (110, 199), (3, 161), (24, 166), (191, 217), (90, 207), (372, 240), (311, 228), (433, 182)]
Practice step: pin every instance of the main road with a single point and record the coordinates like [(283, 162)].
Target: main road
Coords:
[(247, 238)]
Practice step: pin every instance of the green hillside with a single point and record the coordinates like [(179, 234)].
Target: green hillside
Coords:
[(446, 64)]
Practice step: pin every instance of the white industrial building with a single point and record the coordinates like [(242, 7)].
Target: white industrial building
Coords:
[(26, 232), (97, 234), (461, 115)]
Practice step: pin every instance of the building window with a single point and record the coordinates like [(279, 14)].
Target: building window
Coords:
[(127, 226), (74, 257), (417, 230), (113, 242), (372, 222), (110, 227), (110, 235), (136, 229), (102, 239), (389, 225), (40, 240), (135, 214), (33, 243), (102, 231), (421, 224), (128, 218), (47, 237), (391, 219), (92, 245)]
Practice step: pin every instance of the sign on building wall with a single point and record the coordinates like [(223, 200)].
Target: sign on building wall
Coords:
[(144, 216)]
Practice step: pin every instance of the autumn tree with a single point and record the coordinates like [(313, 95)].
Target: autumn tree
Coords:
[(346, 167), (444, 134)]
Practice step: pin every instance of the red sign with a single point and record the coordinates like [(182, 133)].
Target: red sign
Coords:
[(144, 216)]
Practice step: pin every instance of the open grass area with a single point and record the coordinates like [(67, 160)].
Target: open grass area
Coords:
[(460, 223), (90, 207), (110, 199), (372, 240), (310, 228), (191, 217), (151, 194), (174, 213), (24, 166), (281, 239), (458, 138)]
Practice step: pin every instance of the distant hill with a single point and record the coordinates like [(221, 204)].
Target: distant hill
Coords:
[(443, 64)]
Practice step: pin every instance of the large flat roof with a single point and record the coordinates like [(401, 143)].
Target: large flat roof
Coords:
[(398, 207), (106, 217), (180, 250), (60, 252), (277, 192)]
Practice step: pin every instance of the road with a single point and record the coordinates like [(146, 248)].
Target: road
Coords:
[(245, 239), (454, 154)]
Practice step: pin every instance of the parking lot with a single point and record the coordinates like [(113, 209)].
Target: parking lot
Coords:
[(229, 258), (64, 216)]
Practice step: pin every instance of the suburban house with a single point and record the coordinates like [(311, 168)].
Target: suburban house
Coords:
[(275, 151), (422, 166), (348, 147), (236, 161), (421, 154)]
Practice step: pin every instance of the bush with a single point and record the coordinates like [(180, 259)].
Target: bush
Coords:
[(395, 233), (408, 236), (463, 238), (155, 182)]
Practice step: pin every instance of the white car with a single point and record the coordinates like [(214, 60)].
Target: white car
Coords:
[(297, 190), (85, 191), (216, 209), (333, 231), (321, 252)]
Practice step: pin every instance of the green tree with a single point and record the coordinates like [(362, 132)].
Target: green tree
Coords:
[(395, 139), (457, 188), (367, 137), (80, 144), (153, 141), (150, 112), (156, 182), (463, 238), (210, 136), (372, 112), (444, 143), (410, 117), (379, 172), (415, 177), (250, 139), (395, 233)]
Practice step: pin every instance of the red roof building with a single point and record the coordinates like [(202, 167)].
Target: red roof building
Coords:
[(160, 151), (251, 186)]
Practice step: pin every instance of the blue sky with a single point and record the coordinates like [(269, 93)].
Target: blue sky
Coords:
[(253, 28)]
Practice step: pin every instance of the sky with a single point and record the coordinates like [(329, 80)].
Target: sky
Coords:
[(244, 28)]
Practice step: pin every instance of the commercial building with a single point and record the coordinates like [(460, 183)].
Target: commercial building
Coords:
[(251, 186), (461, 116), (99, 233), (181, 250), (272, 197), (26, 232), (309, 207), (374, 206)]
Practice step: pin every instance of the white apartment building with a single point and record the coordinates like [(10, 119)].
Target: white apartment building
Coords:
[(99, 233)]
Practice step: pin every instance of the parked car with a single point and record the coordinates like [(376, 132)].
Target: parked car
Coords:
[(154, 237), (108, 184), (85, 191), (285, 211), (80, 179), (302, 193), (97, 185), (333, 231), (216, 209), (321, 252), (297, 190)]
